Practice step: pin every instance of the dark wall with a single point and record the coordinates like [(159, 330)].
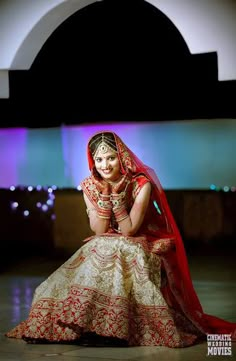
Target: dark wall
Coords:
[(206, 221)]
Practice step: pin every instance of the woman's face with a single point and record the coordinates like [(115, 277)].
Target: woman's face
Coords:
[(108, 165)]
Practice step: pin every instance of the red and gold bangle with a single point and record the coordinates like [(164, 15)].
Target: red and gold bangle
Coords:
[(104, 206), (120, 213), (119, 206)]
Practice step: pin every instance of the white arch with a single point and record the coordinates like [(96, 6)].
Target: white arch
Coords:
[(206, 26), (25, 26)]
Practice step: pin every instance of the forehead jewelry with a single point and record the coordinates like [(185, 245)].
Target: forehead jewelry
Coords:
[(104, 146)]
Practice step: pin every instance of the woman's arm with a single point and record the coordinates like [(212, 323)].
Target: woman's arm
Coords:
[(131, 224), (98, 225), (128, 226)]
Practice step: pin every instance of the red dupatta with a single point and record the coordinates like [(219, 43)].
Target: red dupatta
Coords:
[(179, 291)]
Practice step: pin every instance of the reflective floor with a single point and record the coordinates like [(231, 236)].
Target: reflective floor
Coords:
[(214, 279)]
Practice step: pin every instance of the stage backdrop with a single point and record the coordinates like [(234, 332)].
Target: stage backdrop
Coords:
[(196, 154)]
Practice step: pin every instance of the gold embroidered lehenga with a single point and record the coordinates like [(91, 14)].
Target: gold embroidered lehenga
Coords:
[(136, 289), (110, 286)]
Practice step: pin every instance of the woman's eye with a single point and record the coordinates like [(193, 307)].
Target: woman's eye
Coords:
[(98, 160), (112, 158)]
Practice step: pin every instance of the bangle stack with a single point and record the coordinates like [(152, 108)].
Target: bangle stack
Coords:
[(119, 206), (104, 206), (114, 202)]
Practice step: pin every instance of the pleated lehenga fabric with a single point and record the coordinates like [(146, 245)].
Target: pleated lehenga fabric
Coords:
[(111, 286)]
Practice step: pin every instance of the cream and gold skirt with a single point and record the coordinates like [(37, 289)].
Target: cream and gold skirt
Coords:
[(110, 286)]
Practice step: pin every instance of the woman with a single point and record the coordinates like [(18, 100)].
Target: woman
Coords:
[(130, 281)]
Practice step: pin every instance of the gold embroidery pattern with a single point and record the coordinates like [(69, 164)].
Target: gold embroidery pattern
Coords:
[(125, 157), (90, 190), (110, 286)]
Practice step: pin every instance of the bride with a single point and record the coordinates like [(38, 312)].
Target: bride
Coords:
[(129, 283)]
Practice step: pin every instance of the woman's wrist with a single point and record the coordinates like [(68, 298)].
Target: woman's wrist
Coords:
[(120, 213), (119, 206), (104, 206)]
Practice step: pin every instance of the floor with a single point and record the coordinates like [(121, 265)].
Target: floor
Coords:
[(214, 280)]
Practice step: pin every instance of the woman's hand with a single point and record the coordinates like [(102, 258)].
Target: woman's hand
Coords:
[(118, 197), (102, 186), (122, 184)]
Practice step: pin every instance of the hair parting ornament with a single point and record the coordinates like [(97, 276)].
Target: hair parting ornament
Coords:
[(105, 145)]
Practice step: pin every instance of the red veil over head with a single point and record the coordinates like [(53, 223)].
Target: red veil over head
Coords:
[(179, 291)]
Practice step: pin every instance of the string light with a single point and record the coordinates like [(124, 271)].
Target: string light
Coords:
[(14, 205), (45, 206), (213, 187), (49, 202)]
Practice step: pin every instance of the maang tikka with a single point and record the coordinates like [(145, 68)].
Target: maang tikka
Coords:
[(104, 146)]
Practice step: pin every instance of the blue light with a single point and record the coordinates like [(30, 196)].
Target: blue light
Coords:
[(49, 202), (213, 187), (156, 206)]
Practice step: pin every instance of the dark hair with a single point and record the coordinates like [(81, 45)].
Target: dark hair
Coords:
[(96, 139)]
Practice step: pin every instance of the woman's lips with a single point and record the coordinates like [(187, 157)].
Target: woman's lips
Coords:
[(106, 171)]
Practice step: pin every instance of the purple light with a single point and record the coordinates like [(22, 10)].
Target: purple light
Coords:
[(44, 207), (49, 202), (14, 205), (13, 152), (39, 187), (38, 204), (26, 213)]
